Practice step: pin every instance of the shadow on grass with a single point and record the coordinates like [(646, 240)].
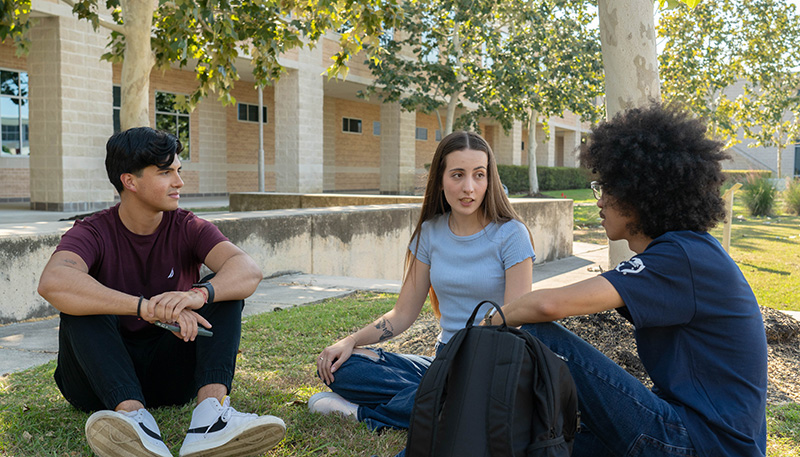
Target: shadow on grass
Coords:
[(766, 270)]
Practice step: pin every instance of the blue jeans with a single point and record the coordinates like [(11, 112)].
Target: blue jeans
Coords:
[(620, 416), (384, 388)]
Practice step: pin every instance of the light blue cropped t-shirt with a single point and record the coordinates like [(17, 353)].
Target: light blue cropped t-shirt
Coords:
[(466, 270)]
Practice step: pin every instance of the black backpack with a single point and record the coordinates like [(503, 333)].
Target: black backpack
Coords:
[(494, 391)]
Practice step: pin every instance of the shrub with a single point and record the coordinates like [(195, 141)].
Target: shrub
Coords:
[(742, 176), (791, 197), (515, 177), (759, 196), (552, 178)]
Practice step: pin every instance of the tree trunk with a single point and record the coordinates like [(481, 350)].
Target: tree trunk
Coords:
[(533, 177), (628, 43), (137, 63), (780, 157), (451, 114)]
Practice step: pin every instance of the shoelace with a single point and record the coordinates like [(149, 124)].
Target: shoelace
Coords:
[(225, 415)]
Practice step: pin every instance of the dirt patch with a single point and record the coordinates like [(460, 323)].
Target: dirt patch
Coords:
[(613, 336)]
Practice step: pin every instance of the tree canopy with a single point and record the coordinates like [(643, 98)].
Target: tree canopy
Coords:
[(210, 36), (496, 58), (734, 64)]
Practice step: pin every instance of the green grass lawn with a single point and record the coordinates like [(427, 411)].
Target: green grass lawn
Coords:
[(275, 375)]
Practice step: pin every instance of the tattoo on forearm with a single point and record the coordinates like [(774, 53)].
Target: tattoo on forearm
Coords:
[(387, 331)]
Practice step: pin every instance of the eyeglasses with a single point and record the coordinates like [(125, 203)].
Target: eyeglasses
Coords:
[(597, 189)]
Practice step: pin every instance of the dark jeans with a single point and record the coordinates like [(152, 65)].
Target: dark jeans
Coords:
[(620, 416), (100, 365)]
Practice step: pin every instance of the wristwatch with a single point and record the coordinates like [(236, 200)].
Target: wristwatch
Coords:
[(209, 288), (487, 318)]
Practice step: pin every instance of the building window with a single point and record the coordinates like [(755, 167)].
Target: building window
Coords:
[(249, 113), (376, 128), (14, 114), (797, 161), (171, 119), (422, 134), (351, 125), (438, 135), (117, 90)]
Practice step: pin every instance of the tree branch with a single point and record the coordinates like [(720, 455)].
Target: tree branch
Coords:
[(113, 26)]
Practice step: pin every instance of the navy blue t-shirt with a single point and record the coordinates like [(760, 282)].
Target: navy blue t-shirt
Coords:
[(700, 335)]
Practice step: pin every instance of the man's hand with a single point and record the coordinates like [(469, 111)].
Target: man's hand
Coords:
[(167, 307), (188, 322)]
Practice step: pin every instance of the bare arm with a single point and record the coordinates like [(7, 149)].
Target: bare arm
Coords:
[(519, 279), (394, 322), (65, 283), (585, 297), (237, 277)]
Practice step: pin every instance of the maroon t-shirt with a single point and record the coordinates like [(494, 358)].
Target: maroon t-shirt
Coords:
[(167, 260)]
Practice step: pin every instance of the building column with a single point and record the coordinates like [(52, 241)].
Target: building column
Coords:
[(545, 148), (330, 128), (398, 150), (508, 148), (213, 151), (70, 116), (572, 145), (299, 125)]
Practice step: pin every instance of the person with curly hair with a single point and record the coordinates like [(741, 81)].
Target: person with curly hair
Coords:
[(697, 323)]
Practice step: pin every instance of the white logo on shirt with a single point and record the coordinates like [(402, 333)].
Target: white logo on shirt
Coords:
[(171, 273), (634, 265)]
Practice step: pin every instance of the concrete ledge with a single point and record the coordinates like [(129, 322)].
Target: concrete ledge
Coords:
[(263, 201), (352, 241)]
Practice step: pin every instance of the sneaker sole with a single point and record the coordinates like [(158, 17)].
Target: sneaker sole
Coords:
[(252, 441), (113, 436)]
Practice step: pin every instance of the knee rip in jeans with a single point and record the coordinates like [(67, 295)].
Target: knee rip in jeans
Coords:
[(368, 353)]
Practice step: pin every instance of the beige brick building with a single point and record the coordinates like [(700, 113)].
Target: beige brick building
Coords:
[(59, 105)]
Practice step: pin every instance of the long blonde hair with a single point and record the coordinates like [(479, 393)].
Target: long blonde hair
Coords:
[(495, 205)]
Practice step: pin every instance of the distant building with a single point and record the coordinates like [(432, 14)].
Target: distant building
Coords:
[(60, 104)]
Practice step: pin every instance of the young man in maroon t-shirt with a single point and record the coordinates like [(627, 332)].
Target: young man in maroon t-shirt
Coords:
[(118, 277)]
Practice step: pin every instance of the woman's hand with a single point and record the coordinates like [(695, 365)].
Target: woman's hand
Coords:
[(333, 357)]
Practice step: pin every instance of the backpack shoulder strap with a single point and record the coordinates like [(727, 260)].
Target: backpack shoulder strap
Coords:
[(429, 400), (507, 367)]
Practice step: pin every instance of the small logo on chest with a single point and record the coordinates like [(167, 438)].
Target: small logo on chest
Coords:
[(171, 273)]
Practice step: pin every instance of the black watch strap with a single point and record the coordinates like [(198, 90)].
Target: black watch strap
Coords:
[(209, 288)]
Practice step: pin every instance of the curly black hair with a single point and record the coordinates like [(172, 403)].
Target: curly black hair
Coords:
[(657, 164)]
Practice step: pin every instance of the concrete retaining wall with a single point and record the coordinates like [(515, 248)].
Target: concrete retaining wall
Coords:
[(262, 201), (355, 241)]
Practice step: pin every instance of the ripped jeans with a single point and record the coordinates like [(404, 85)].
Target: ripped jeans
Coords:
[(384, 387)]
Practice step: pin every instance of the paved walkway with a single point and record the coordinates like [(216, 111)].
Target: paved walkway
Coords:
[(28, 344)]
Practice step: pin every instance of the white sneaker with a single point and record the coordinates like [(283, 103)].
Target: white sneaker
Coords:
[(220, 430), (331, 402), (116, 433)]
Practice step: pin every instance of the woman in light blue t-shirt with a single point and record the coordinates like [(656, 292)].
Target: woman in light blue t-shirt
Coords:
[(469, 245)]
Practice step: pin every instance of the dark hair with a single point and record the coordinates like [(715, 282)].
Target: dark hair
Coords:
[(657, 164), (135, 149)]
